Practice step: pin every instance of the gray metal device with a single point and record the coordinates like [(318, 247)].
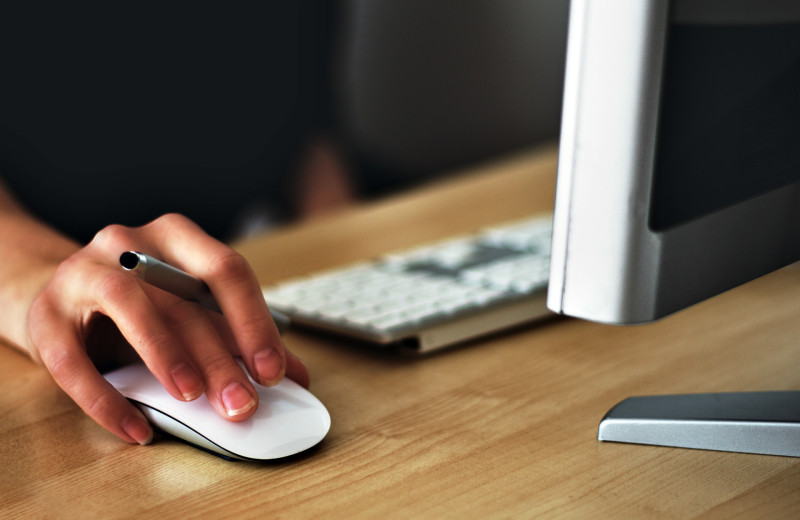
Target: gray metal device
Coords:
[(752, 422), (679, 172)]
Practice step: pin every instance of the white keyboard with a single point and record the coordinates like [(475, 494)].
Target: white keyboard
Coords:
[(432, 296)]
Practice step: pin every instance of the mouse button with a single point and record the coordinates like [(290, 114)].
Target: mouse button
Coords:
[(137, 383), (283, 434), (301, 422), (290, 403), (134, 381), (277, 400), (280, 427)]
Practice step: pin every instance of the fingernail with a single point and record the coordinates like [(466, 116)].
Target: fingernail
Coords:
[(138, 428), (188, 381), (269, 365), (237, 399)]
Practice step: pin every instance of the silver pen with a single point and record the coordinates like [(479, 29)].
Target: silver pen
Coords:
[(180, 283)]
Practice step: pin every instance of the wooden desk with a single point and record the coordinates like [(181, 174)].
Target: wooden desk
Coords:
[(504, 427)]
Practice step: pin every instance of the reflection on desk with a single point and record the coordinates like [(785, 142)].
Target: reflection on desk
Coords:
[(503, 427)]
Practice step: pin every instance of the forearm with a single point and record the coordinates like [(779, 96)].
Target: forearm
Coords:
[(30, 253)]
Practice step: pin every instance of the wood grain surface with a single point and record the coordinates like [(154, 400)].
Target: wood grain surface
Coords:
[(504, 427)]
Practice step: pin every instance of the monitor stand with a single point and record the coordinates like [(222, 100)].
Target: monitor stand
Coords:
[(750, 422)]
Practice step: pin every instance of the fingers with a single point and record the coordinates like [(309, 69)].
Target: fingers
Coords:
[(246, 327), (177, 341), (64, 357), (211, 353), (86, 287), (228, 389), (236, 289), (295, 368), (188, 349)]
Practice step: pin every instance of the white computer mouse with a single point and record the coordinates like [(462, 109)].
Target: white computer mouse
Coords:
[(289, 419)]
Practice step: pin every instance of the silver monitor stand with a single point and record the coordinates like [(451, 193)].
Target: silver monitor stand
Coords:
[(767, 423)]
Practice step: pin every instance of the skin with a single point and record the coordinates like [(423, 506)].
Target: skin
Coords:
[(72, 309)]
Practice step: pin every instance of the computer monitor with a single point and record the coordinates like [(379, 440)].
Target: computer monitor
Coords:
[(679, 178)]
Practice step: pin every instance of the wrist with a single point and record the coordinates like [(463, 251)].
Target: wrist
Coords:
[(18, 294), (31, 254)]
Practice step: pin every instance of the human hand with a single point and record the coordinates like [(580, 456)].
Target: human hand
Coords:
[(189, 349)]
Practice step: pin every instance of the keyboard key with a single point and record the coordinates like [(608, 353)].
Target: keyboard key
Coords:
[(423, 286)]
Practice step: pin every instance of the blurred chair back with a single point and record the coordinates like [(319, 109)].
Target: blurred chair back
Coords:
[(430, 85)]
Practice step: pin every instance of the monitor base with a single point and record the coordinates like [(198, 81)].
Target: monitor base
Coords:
[(748, 422)]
